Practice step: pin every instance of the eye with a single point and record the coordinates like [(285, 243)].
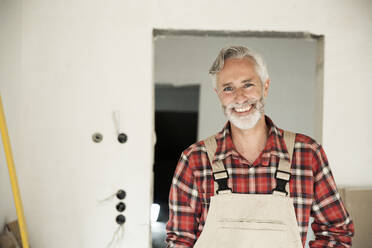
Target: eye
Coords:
[(247, 85), (228, 88)]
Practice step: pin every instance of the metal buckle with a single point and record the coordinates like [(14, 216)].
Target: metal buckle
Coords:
[(221, 181), (281, 183)]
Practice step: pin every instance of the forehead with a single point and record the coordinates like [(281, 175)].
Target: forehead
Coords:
[(237, 69)]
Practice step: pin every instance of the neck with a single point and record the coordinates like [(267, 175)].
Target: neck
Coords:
[(251, 140)]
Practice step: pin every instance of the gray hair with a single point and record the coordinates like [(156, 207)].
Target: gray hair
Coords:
[(238, 52)]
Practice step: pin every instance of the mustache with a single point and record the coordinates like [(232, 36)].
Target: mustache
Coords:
[(239, 105)]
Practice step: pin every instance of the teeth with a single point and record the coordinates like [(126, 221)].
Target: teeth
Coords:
[(243, 109)]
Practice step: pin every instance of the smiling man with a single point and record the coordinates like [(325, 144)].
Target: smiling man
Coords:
[(253, 184)]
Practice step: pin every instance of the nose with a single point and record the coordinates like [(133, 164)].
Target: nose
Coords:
[(240, 96)]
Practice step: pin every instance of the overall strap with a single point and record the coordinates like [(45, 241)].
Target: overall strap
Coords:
[(219, 171), (283, 173)]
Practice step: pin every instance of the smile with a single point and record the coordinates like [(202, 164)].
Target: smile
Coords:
[(243, 109)]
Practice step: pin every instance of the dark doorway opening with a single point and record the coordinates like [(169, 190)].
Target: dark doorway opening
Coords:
[(176, 125), (175, 132)]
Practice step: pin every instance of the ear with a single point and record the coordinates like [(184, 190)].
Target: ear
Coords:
[(266, 88)]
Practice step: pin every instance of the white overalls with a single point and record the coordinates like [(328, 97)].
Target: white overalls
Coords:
[(250, 220)]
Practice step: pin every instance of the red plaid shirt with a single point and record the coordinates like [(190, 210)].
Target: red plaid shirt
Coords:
[(312, 188)]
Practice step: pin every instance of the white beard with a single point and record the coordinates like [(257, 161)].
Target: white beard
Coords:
[(248, 121)]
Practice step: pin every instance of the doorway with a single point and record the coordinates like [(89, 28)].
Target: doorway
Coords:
[(295, 64)]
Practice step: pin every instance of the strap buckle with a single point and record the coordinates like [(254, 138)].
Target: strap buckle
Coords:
[(221, 178), (282, 178), (220, 175)]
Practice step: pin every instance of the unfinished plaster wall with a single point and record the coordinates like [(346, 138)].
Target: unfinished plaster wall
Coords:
[(80, 60), (66, 66)]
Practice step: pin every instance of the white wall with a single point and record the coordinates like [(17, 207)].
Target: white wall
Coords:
[(79, 62), (71, 63)]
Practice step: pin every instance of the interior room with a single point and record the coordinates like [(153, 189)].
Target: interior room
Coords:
[(100, 98)]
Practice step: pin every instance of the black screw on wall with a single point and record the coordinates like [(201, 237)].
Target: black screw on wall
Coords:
[(120, 207)]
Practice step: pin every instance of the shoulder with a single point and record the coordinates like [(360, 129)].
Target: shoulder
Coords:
[(303, 141), (194, 149), (311, 152), (195, 157), (307, 147)]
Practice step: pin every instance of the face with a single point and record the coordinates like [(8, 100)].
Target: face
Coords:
[(241, 92)]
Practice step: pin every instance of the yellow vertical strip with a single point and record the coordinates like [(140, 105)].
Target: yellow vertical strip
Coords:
[(13, 177)]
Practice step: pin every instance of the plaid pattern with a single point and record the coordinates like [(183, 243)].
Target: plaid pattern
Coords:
[(312, 187)]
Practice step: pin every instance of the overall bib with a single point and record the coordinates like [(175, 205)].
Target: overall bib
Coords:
[(250, 220)]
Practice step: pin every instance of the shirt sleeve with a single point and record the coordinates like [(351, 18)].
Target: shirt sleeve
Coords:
[(183, 199), (332, 225)]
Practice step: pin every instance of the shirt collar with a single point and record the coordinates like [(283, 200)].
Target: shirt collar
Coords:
[(275, 145)]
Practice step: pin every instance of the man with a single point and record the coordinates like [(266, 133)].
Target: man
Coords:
[(252, 184)]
